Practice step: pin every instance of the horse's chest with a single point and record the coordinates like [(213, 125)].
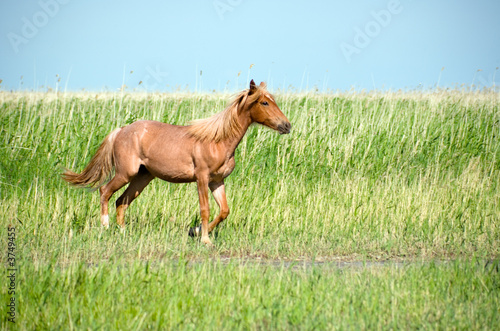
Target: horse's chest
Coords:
[(225, 169)]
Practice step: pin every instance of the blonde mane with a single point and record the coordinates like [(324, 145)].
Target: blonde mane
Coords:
[(223, 125)]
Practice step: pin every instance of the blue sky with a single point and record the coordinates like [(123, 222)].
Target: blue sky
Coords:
[(205, 45)]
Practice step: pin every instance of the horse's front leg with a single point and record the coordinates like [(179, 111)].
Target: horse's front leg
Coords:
[(219, 194), (204, 210)]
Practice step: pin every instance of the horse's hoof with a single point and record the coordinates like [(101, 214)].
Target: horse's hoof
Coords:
[(195, 232), (207, 242)]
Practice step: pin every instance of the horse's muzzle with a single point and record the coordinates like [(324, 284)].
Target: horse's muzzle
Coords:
[(284, 128)]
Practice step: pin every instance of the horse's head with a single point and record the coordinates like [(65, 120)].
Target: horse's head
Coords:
[(264, 109)]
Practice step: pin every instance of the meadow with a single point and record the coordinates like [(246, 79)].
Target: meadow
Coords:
[(379, 176)]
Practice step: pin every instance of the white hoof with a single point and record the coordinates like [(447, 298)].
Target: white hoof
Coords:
[(105, 221), (195, 231)]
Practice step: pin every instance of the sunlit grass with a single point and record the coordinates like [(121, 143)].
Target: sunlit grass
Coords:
[(371, 175), (375, 176)]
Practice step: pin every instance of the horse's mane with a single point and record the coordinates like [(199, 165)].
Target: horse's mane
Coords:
[(225, 124)]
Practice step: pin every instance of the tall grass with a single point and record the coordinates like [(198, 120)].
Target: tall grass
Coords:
[(369, 175), (413, 176)]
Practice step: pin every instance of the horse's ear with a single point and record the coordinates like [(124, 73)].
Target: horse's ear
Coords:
[(263, 85), (253, 87)]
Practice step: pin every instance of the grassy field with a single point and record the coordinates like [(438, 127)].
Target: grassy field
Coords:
[(411, 176), (213, 296)]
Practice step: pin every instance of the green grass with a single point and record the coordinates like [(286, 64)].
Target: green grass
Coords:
[(213, 296), (390, 175), (413, 176)]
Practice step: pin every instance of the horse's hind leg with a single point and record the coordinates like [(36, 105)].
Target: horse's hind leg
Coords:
[(106, 192), (137, 184)]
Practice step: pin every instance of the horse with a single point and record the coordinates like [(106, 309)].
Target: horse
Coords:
[(201, 152)]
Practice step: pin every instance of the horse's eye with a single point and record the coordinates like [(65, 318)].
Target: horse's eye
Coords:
[(265, 103)]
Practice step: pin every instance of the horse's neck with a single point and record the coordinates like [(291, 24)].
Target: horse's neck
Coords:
[(233, 142)]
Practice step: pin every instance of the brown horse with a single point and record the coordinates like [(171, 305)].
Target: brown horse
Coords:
[(202, 152)]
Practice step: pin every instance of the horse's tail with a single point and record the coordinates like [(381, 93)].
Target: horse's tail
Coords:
[(99, 168)]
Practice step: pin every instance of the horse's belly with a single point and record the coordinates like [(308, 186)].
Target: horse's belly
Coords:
[(166, 153), (173, 171)]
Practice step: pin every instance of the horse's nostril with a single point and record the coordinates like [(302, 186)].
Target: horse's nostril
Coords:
[(284, 127)]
